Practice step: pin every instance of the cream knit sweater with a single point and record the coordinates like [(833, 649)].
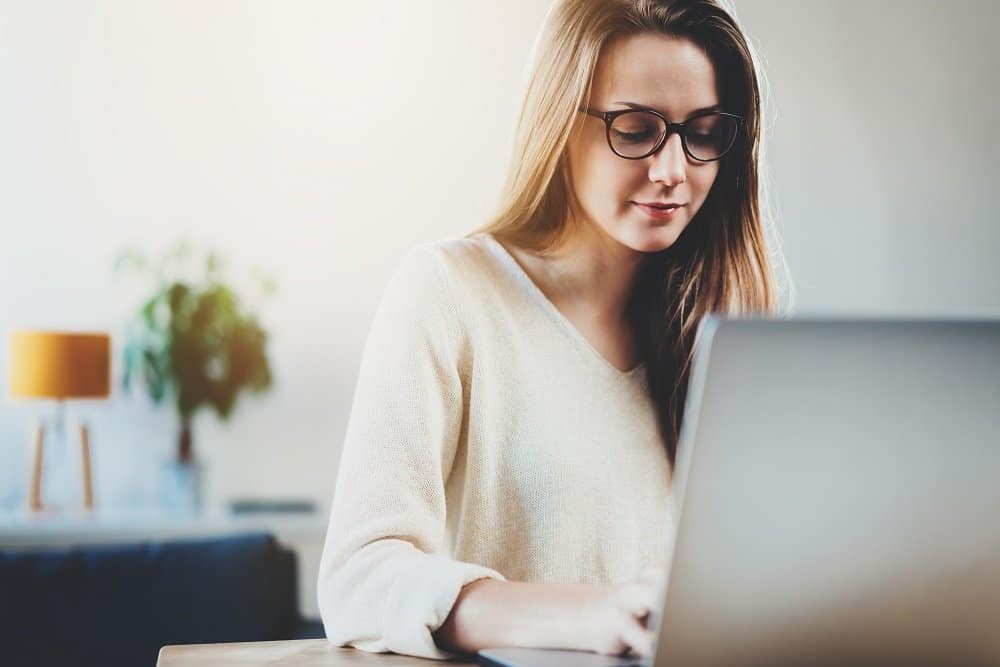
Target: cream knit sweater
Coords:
[(487, 438)]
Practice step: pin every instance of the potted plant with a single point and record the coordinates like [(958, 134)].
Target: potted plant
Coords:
[(194, 341)]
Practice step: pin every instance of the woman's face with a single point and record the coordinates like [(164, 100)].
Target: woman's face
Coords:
[(676, 78)]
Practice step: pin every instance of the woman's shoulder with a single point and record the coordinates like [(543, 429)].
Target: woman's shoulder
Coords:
[(461, 260)]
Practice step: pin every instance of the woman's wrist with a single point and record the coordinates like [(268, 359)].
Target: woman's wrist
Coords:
[(490, 613)]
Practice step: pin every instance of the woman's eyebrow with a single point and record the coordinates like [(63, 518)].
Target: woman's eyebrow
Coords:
[(643, 107)]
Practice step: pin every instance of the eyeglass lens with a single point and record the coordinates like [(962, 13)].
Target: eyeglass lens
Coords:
[(635, 134)]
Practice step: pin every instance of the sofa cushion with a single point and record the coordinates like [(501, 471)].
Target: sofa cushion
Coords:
[(119, 604)]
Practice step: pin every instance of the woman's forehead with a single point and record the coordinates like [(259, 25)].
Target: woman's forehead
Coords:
[(670, 74)]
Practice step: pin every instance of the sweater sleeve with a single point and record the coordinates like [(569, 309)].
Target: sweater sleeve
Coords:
[(385, 581)]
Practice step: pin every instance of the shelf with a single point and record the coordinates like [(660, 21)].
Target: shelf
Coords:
[(24, 528)]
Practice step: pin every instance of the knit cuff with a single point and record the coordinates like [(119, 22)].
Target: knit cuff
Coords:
[(421, 597)]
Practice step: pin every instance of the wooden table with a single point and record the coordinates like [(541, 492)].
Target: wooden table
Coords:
[(301, 653)]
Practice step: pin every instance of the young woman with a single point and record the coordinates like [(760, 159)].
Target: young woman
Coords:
[(506, 471)]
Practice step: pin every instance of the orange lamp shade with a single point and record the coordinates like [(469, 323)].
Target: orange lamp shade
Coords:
[(59, 365)]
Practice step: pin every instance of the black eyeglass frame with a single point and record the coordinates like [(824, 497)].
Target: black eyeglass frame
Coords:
[(609, 116)]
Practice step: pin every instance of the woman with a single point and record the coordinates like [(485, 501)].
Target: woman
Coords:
[(505, 476)]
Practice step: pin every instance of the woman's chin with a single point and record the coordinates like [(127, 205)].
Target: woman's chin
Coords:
[(655, 239)]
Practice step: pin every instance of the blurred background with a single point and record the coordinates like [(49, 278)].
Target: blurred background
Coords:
[(313, 142)]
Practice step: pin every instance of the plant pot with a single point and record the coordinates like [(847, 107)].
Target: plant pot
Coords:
[(182, 487)]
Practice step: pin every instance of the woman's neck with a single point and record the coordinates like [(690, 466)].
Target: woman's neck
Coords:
[(591, 272)]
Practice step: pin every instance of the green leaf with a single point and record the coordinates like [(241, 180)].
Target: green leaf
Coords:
[(126, 259), (177, 255), (181, 250), (213, 267), (127, 372), (265, 284), (151, 312), (154, 378), (177, 295)]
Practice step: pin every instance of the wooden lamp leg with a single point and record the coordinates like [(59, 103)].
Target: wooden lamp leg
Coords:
[(35, 485), (88, 486)]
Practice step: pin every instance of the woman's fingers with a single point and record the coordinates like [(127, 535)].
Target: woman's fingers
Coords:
[(621, 612), (638, 598), (637, 638)]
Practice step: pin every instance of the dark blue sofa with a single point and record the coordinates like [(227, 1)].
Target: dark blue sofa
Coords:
[(117, 605)]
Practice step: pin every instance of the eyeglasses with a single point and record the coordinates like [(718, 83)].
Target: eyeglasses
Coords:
[(635, 134)]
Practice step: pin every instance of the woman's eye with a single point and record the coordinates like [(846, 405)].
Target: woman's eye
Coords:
[(633, 137), (701, 138)]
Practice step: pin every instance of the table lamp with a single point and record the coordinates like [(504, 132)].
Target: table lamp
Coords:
[(60, 366)]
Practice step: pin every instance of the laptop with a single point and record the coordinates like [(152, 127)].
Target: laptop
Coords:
[(838, 495)]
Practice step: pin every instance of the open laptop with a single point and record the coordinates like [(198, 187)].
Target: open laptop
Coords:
[(838, 486)]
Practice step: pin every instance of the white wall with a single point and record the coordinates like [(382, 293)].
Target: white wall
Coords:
[(885, 151), (319, 140)]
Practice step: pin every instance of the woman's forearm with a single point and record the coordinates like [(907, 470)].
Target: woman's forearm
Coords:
[(490, 613)]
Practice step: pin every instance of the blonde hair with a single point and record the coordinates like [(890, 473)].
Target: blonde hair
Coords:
[(721, 261)]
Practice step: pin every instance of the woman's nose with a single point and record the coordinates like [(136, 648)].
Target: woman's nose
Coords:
[(669, 164)]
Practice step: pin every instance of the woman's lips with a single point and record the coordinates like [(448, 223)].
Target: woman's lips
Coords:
[(660, 211)]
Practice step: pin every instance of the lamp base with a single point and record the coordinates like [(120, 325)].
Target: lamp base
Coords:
[(34, 500)]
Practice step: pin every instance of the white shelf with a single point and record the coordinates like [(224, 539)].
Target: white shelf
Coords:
[(101, 526)]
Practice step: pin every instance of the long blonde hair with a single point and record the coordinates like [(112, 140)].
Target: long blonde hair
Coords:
[(721, 262)]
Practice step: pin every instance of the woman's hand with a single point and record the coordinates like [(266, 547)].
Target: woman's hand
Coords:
[(582, 617), (615, 621)]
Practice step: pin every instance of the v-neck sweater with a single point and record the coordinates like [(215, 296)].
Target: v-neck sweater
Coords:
[(487, 438)]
